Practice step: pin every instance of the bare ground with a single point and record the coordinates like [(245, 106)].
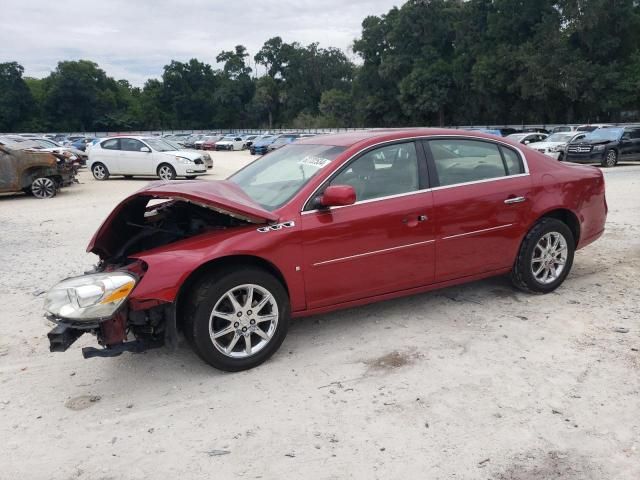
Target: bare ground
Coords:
[(475, 382)]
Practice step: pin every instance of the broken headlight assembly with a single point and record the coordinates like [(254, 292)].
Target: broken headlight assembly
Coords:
[(89, 297)]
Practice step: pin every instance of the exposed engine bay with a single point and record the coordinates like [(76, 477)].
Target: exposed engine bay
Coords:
[(161, 222)]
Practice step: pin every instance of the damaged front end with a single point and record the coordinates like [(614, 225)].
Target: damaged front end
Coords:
[(103, 302)]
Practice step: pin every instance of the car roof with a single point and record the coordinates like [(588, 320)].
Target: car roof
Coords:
[(350, 139)]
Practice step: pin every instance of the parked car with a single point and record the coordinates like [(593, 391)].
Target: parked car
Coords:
[(490, 131), (527, 138), (555, 145), (133, 156), (73, 154), (592, 127), (81, 144), (249, 139), (190, 141), (230, 142), (33, 172), (606, 146), (322, 224), (283, 140), (208, 161), (260, 147), (208, 140)]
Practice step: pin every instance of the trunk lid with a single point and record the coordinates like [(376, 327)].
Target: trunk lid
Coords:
[(221, 196)]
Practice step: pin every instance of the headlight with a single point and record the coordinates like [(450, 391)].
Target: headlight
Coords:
[(89, 297), (598, 148), (183, 160), (559, 148)]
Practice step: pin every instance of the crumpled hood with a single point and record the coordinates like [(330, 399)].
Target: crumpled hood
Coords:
[(222, 196)]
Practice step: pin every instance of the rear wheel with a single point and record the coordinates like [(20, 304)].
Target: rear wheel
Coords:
[(43, 187), (545, 257), (166, 172), (610, 159), (100, 171), (237, 319)]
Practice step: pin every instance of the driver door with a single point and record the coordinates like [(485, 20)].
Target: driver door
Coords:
[(132, 160), (381, 244)]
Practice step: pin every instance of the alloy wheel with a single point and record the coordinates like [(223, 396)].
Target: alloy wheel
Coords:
[(611, 158), (43, 188), (549, 258), (99, 172), (165, 172), (243, 321)]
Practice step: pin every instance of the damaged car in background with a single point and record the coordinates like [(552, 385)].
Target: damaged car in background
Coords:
[(33, 171), (325, 223)]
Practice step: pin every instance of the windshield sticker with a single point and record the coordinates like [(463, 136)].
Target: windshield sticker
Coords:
[(314, 161)]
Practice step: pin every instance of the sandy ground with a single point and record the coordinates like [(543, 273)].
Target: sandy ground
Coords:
[(474, 382)]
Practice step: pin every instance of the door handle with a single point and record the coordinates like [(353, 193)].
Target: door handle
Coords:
[(413, 221), (511, 200)]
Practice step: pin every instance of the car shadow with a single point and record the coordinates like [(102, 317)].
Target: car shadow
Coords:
[(183, 366)]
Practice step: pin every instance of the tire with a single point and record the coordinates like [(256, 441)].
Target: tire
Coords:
[(166, 172), (561, 157), (43, 187), (528, 274), (211, 292), (100, 171), (610, 159)]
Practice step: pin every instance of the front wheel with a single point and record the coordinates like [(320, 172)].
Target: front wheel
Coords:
[(610, 159), (166, 172), (236, 319), (545, 257), (43, 187)]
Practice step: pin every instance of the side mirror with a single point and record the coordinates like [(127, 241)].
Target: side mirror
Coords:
[(145, 149), (338, 196), (526, 142)]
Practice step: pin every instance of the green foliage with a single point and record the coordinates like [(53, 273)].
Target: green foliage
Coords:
[(16, 100), (429, 62)]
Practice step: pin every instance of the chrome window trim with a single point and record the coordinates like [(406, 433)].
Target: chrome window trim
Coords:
[(372, 252), (421, 137)]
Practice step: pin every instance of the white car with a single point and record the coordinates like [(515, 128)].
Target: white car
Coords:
[(556, 144), (145, 156), (527, 137), (231, 142)]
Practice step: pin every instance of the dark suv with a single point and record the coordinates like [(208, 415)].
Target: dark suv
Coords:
[(606, 146)]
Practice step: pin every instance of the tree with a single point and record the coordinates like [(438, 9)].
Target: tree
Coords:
[(17, 104)]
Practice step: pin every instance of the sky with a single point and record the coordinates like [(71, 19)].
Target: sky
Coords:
[(134, 39)]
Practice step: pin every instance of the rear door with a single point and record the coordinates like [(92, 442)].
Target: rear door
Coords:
[(108, 153), (481, 202), (382, 243)]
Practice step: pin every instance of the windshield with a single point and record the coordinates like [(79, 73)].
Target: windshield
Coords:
[(559, 137), (159, 145), (608, 134), (274, 179)]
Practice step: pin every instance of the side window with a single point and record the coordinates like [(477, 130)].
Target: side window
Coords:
[(635, 133), (461, 161), (512, 161), (111, 144), (130, 144), (385, 171)]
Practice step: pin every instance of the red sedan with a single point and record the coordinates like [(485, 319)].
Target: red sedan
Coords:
[(323, 224)]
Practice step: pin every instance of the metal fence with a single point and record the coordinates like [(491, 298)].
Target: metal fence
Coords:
[(256, 131)]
